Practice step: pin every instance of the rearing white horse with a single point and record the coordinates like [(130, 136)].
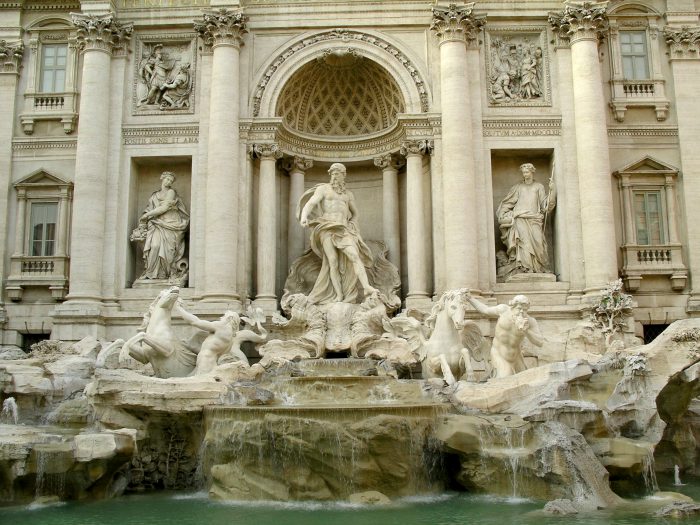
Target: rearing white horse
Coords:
[(447, 352)]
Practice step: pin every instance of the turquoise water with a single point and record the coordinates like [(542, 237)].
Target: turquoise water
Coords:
[(195, 509)]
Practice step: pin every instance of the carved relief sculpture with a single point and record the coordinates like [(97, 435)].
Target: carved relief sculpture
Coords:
[(516, 68), (164, 74), (522, 218), (162, 229)]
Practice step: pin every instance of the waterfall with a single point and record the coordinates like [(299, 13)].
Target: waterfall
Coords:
[(10, 412), (649, 473)]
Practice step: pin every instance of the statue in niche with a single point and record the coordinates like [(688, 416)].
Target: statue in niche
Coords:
[(335, 238), (513, 325), (522, 218), (162, 229), (224, 337)]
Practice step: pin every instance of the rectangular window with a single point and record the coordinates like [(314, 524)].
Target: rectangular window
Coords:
[(43, 232), (53, 67), (648, 214), (633, 48)]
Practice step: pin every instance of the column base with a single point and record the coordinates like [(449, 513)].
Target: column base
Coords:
[(74, 320), (267, 303), (222, 301), (419, 301), (693, 306)]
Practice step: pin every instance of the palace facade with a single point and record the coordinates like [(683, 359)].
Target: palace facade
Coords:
[(432, 107)]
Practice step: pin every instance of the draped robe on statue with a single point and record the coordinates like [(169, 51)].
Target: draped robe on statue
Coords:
[(521, 219), (342, 236), (165, 240)]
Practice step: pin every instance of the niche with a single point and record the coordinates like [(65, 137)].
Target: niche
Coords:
[(523, 215), (159, 241)]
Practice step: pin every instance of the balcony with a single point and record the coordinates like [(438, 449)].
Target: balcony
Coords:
[(51, 272), (656, 260), (639, 94), (49, 106)]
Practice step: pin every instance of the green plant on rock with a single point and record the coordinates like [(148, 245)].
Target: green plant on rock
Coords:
[(611, 311)]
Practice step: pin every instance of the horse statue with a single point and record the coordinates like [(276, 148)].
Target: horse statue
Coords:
[(452, 342), (156, 342)]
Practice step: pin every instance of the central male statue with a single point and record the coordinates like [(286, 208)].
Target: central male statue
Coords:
[(336, 240)]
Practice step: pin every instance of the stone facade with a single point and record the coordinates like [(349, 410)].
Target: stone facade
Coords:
[(431, 106)]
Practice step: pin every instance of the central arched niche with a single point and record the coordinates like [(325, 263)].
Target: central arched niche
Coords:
[(340, 94)]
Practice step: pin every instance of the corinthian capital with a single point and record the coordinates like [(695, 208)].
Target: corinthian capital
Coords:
[(684, 42), (265, 151), (416, 147), (222, 27), (10, 56), (580, 21), (101, 32), (297, 164), (456, 23), (390, 160)]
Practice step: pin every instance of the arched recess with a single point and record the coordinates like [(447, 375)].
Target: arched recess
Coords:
[(403, 68)]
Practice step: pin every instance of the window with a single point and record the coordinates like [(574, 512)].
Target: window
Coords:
[(636, 75), (649, 217), (633, 48), (651, 245), (40, 258), (51, 93), (53, 68), (43, 228)]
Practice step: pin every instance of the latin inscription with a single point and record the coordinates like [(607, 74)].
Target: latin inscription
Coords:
[(146, 4)]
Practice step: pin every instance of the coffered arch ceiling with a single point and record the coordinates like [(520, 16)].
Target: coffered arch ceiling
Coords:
[(340, 94)]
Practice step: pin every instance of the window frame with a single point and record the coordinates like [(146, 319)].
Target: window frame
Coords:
[(53, 68), (40, 105), (31, 238), (628, 93)]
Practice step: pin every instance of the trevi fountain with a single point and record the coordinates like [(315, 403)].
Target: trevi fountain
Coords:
[(418, 332)]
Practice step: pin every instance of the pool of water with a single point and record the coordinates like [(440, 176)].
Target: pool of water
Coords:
[(445, 509)]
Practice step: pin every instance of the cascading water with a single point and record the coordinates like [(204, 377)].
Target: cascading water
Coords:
[(10, 411), (649, 473)]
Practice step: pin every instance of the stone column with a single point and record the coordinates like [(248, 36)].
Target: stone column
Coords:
[(10, 64), (223, 30), (98, 36), (265, 296), (584, 23), (416, 234), (391, 225), (296, 167), (457, 27), (684, 44)]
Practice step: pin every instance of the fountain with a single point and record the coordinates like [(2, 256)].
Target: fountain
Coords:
[(348, 402), (10, 412)]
